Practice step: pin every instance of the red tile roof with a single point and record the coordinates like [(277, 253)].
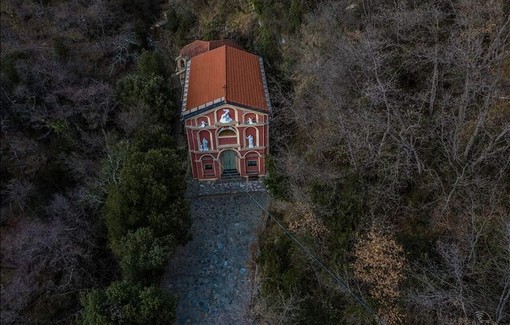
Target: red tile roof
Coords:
[(225, 73), (198, 47)]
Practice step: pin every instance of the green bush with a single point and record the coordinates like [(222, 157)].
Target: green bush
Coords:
[(142, 255), (276, 181), (153, 91), (152, 63), (175, 217), (127, 303), (295, 15), (277, 265), (151, 182), (154, 138)]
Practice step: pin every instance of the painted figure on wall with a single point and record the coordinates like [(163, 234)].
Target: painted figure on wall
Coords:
[(205, 144), (225, 117), (250, 141)]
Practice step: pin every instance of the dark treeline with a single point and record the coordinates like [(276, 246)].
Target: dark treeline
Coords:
[(91, 179)]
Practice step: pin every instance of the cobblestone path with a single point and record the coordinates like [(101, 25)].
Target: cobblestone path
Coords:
[(212, 274)]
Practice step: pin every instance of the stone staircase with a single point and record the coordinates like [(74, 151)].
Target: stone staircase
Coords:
[(230, 174)]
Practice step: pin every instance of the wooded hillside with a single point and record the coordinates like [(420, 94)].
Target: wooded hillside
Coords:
[(393, 165), (390, 158)]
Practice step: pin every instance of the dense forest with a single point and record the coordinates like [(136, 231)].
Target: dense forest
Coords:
[(390, 158), (393, 164), (91, 175)]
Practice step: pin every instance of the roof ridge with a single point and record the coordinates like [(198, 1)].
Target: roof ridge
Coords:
[(226, 72)]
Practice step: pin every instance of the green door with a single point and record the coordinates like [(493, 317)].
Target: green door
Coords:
[(228, 160)]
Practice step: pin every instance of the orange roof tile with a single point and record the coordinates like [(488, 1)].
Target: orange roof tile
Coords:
[(198, 47), (207, 78), (225, 73)]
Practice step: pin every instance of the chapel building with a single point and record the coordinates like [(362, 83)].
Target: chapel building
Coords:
[(225, 110)]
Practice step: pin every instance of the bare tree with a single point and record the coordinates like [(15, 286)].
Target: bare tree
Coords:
[(52, 261), (409, 103)]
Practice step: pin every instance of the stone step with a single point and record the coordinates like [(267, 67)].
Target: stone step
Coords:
[(229, 179), (230, 174)]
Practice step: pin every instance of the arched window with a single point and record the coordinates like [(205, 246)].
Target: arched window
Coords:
[(227, 136), (227, 133)]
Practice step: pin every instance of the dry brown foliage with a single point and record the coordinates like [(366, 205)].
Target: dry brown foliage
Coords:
[(307, 221), (381, 265)]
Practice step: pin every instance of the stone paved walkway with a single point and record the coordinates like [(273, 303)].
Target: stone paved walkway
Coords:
[(213, 273)]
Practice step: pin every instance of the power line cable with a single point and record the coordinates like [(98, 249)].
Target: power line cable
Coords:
[(316, 259)]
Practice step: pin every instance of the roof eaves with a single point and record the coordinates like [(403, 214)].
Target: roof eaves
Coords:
[(264, 82), (202, 108), (186, 86), (217, 102), (258, 109)]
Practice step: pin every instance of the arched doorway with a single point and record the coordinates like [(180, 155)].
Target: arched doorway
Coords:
[(229, 161)]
